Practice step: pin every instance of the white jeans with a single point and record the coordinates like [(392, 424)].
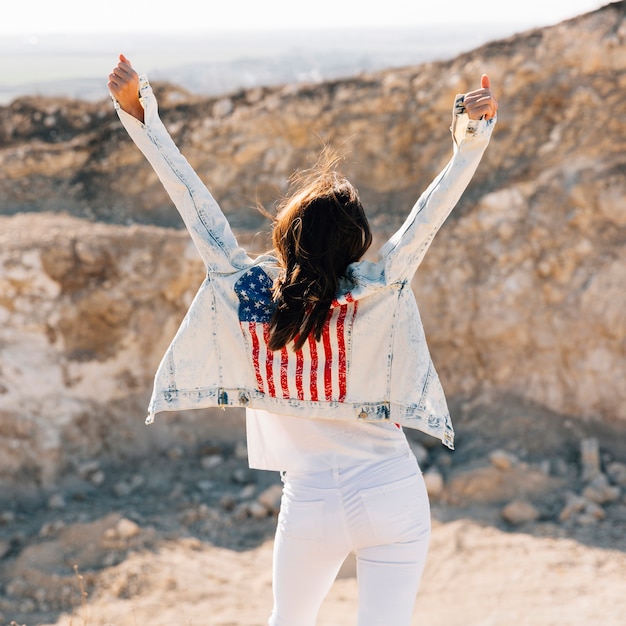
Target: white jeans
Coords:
[(378, 511)]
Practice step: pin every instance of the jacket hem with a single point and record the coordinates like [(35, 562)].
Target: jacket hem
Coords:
[(418, 418)]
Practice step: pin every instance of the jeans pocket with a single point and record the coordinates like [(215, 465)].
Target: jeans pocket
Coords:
[(399, 511), (301, 520)]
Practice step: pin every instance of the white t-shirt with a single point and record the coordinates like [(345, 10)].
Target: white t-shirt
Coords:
[(298, 444)]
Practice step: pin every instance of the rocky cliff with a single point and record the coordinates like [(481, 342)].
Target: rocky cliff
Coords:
[(522, 293)]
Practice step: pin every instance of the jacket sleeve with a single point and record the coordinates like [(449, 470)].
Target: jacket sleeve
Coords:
[(207, 225), (399, 258)]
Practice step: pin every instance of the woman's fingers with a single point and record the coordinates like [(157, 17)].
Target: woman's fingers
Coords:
[(124, 87), (122, 75), (481, 102)]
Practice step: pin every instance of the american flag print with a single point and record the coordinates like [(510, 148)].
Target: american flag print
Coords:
[(318, 371)]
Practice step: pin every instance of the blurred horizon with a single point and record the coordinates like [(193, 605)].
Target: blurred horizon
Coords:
[(54, 50), (77, 65)]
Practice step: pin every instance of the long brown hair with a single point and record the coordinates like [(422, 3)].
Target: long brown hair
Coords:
[(319, 229)]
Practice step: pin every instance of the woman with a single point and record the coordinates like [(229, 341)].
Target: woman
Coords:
[(327, 353)]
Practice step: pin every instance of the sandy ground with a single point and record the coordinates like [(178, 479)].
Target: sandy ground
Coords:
[(476, 576), (180, 539)]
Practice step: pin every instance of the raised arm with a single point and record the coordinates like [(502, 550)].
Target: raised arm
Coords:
[(474, 116), (207, 225)]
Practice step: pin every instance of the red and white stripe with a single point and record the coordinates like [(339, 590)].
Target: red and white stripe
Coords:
[(318, 371)]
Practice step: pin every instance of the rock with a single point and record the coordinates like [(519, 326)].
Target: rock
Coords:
[(488, 484), (600, 492), (241, 451), (503, 460), (257, 510), (175, 453), (223, 107), (27, 607), (573, 504), (5, 548), (125, 487), (211, 461), (595, 511), (241, 511), (177, 491), (51, 528), (581, 510), (434, 483), (190, 516), (87, 469), (590, 458), (559, 467), (247, 492), (56, 501), (228, 502), (520, 512), (591, 514), (97, 478), (270, 498), (126, 529), (122, 489), (617, 473), (242, 476), (7, 517)]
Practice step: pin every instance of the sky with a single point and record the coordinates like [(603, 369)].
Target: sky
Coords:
[(30, 17)]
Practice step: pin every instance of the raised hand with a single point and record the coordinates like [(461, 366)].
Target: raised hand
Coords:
[(124, 87), (481, 103)]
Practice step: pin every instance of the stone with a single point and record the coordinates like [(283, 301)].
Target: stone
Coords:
[(242, 476), (97, 478), (434, 483), (600, 492), (596, 511), (228, 502), (573, 504), (51, 528), (7, 517), (122, 489), (519, 512), (270, 498), (211, 461), (247, 492), (488, 484), (241, 511), (175, 453), (88, 469), (5, 548), (617, 473), (590, 458), (127, 529), (257, 510), (503, 460), (223, 107), (241, 451), (56, 501)]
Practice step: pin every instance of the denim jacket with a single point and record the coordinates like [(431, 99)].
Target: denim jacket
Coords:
[(372, 362)]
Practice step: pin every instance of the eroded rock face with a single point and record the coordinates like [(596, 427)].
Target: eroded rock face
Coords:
[(522, 291), (86, 312)]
